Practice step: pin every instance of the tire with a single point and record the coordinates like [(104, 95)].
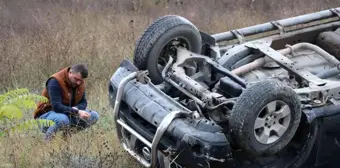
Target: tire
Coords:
[(294, 156), (157, 36), (250, 107)]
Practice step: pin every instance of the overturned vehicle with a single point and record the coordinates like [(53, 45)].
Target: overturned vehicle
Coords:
[(261, 96)]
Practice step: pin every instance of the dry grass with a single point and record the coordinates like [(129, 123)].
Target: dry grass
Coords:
[(38, 37)]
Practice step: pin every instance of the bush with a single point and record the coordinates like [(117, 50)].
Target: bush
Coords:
[(13, 106)]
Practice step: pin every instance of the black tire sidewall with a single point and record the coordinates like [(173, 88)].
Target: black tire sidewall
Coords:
[(283, 141), (182, 31), (299, 160), (245, 113), (160, 32)]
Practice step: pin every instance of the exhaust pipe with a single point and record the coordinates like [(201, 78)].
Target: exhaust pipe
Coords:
[(290, 50)]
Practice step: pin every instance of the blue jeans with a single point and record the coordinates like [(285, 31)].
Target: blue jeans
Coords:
[(64, 122)]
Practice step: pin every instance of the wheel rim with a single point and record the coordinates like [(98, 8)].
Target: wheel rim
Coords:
[(272, 122), (169, 50)]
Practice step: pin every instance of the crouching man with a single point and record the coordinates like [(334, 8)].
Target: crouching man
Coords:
[(67, 104)]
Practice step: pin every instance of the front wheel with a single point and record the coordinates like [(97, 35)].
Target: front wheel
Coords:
[(265, 117), (159, 42)]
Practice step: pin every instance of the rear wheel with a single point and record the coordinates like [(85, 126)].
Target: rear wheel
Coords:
[(265, 117), (160, 41), (296, 154)]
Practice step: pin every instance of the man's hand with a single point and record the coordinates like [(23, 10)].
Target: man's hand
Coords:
[(83, 114)]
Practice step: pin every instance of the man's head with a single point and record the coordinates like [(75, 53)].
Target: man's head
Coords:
[(77, 74)]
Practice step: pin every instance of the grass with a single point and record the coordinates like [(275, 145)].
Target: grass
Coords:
[(39, 37)]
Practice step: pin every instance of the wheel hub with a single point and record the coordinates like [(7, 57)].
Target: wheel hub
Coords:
[(170, 50), (270, 121)]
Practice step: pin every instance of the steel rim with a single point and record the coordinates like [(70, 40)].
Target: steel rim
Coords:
[(272, 122)]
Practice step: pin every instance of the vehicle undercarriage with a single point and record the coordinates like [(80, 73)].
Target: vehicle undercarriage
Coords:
[(252, 97)]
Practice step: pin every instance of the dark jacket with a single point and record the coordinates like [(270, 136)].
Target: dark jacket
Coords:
[(61, 96)]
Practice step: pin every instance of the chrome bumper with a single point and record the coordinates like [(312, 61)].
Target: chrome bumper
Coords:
[(163, 126)]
